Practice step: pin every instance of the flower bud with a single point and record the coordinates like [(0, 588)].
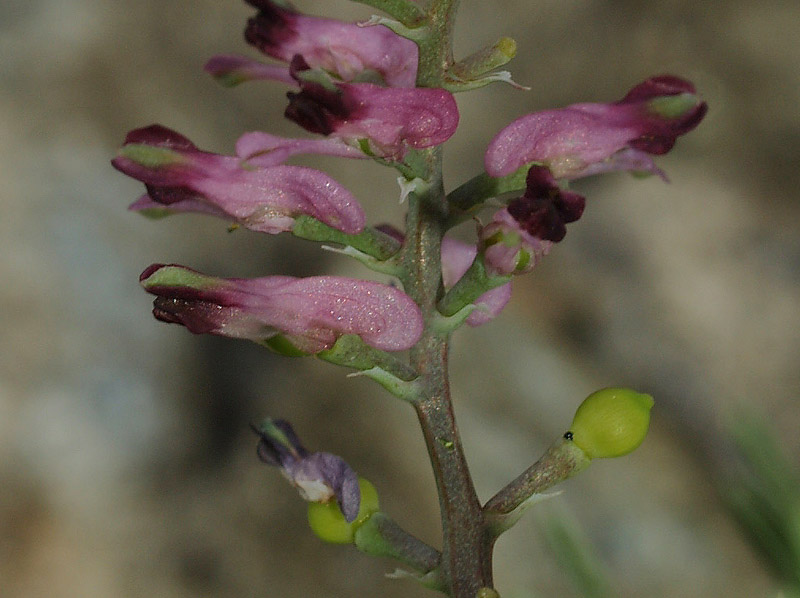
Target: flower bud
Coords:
[(327, 521), (611, 422)]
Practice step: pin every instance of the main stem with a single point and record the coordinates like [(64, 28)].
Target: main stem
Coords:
[(466, 564), (466, 561)]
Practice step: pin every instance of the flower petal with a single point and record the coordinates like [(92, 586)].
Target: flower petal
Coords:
[(345, 50), (311, 312), (264, 199), (571, 140), (392, 119)]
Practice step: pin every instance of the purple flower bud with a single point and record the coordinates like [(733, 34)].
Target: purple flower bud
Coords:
[(545, 209), (509, 248), (392, 119), (318, 477), (344, 50), (310, 313), (257, 192), (586, 139), (456, 260)]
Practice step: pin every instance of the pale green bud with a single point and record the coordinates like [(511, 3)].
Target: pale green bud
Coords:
[(611, 422)]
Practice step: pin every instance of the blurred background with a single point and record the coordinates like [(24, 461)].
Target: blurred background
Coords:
[(126, 464)]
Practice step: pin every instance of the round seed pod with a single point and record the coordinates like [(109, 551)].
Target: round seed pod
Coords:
[(328, 523), (611, 422)]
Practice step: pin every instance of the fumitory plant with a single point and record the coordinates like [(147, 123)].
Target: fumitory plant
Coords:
[(383, 91)]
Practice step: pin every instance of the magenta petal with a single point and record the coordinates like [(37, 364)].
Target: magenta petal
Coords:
[(456, 260), (264, 199), (345, 50), (311, 312), (576, 140), (263, 149)]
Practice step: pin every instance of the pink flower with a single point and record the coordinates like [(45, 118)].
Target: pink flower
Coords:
[(310, 313), (344, 50), (254, 190), (585, 139), (391, 119)]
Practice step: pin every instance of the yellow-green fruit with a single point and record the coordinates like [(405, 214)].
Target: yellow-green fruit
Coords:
[(611, 422), (328, 523)]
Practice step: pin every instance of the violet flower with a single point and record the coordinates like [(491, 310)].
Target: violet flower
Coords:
[(318, 477), (585, 139), (344, 50), (253, 190), (310, 313), (390, 119)]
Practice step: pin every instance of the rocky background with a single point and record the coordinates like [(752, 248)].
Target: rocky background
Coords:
[(127, 468)]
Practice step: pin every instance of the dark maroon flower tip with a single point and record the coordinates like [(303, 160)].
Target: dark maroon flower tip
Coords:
[(159, 136), (660, 85), (316, 108), (270, 29), (546, 209)]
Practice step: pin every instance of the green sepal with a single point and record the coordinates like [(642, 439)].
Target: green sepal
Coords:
[(281, 345), (370, 241), (485, 60), (475, 70), (674, 106), (150, 156), (156, 213), (475, 282), (319, 77), (177, 276)]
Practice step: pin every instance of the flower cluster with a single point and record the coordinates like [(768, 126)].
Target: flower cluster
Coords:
[(355, 87)]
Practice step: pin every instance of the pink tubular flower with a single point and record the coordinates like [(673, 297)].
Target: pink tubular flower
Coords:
[(585, 139), (254, 190), (311, 313), (392, 119), (344, 50), (456, 260)]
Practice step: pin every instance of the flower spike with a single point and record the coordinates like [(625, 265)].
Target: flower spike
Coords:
[(260, 194), (585, 139), (308, 313)]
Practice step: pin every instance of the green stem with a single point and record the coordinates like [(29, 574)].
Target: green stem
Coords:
[(466, 562)]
